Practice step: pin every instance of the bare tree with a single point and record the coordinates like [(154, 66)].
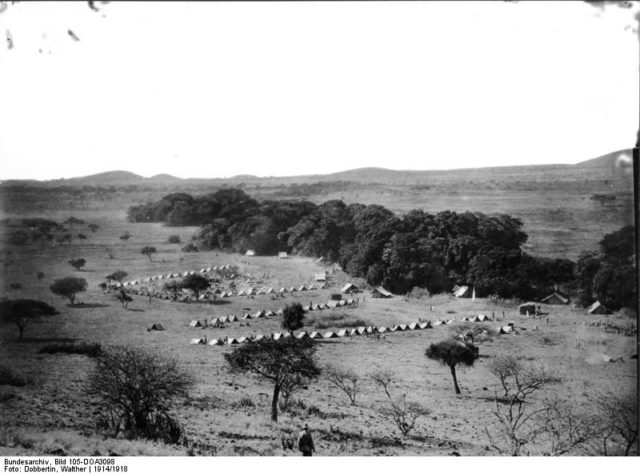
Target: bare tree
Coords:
[(345, 380), (403, 413), (552, 427), (620, 421)]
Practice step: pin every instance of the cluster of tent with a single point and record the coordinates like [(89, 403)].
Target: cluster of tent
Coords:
[(169, 276), (265, 314), (350, 332), (477, 319)]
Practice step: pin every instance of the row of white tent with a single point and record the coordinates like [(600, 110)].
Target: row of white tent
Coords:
[(168, 276), (359, 331), (265, 314)]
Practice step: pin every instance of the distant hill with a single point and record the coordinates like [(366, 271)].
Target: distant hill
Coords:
[(364, 176), (609, 161), (108, 178)]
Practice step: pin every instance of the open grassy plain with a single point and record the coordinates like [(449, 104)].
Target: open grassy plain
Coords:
[(52, 414)]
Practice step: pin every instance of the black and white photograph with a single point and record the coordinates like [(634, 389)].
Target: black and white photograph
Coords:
[(317, 229)]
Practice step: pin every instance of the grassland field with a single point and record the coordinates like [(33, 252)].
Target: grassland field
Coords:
[(52, 413)]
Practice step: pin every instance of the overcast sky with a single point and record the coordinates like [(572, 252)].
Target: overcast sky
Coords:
[(272, 89)]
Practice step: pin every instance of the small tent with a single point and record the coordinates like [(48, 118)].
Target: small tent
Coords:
[(380, 292), (320, 276), (505, 330), (232, 340), (258, 337), (349, 288), (243, 339), (382, 329), (269, 313), (361, 330), (233, 318), (280, 312), (425, 325), (315, 335), (283, 255), (277, 336), (283, 290), (250, 253), (216, 342), (414, 326), (598, 308), (555, 298), (312, 287), (302, 335), (198, 341), (403, 327), (463, 292), (302, 288), (157, 327), (329, 335), (343, 333), (527, 308), (195, 324)]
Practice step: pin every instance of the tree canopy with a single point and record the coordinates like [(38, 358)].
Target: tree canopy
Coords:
[(453, 353), (276, 361), (21, 312), (69, 287)]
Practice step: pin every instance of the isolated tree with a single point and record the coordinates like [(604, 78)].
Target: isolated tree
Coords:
[(124, 298), (22, 312), (77, 263), (277, 361), (292, 317), (453, 353), (125, 236), (346, 380), (69, 287), (148, 251), (82, 237), (518, 422), (195, 283), (94, 227), (174, 239), (136, 390), (118, 275)]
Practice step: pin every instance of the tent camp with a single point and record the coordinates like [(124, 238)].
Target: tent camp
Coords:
[(528, 308), (463, 292), (598, 308), (349, 288), (250, 253), (555, 298), (379, 292)]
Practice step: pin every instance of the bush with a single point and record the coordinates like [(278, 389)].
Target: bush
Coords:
[(136, 390), (9, 376), (190, 247), (244, 402), (91, 349), (293, 317), (174, 239)]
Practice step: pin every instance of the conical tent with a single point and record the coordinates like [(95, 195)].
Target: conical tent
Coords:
[(382, 329), (343, 333), (315, 335), (329, 335), (302, 335), (195, 324), (216, 342), (414, 326)]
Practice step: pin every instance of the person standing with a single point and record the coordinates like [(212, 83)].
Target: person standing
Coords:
[(305, 442)]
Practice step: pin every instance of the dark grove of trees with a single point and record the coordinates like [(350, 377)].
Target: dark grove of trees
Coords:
[(609, 276), (419, 249)]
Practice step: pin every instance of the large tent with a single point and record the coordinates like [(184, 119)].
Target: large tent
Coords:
[(380, 292)]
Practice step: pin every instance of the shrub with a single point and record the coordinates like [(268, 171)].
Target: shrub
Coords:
[(345, 380), (190, 247), (293, 317), (136, 390), (174, 239), (244, 402), (11, 377), (91, 349)]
